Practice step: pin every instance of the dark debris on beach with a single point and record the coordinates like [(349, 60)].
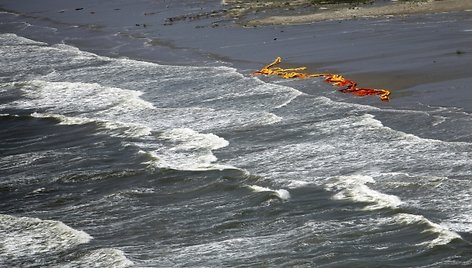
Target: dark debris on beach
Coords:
[(240, 10)]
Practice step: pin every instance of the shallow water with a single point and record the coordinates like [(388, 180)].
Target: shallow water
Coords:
[(117, 162)]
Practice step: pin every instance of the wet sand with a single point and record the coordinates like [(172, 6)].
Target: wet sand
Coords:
[(336, 12), (421, 58)]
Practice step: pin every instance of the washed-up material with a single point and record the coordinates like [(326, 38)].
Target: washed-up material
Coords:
[(345, 85)]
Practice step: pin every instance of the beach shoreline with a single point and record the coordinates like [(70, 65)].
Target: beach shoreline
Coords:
[(343, 12), (403, 54)]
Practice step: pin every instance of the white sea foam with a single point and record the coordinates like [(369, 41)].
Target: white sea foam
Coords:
[(81, 100), (64, 120), (9, 13), (189, 150), (439, 120), (369, 121), (191, 139), (444, 235), (280, 193), (125, 129), (188, 161), (287, 102), (337, 104), (114, 102), (10, 39), (28, 237), (123, 113), (216, 253), (290, 92), (354, 188), (293, 184), (107, 257), (460, 223)]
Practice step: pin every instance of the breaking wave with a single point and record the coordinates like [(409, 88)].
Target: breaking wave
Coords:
[(280, 193), (25, 238), (355, 188), (119, 106), (444, 235)]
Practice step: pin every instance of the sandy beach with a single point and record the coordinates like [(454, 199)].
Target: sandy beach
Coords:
[(341, 12)]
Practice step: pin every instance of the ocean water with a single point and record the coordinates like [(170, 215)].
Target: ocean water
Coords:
[(115, 162)]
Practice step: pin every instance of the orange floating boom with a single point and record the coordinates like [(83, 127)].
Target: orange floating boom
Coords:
[(347, 86)]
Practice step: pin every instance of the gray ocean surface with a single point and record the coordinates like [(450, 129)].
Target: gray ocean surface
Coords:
[(117, 162)]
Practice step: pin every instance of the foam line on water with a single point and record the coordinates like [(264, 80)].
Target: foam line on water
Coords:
[(54, 87), (215, 253), (113, 71), (354, 188), (189, 150), (124, 114), (297, 93), (435, 114), (9, 13), (369, 121), (191, 139), (10, 39), (107, 257), (339, 104), (293, 91), (89, 101), (125, 129)]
